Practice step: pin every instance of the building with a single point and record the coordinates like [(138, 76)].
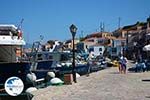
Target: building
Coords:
[(130, 30), (68, 45), (97, 42), (136, 36)]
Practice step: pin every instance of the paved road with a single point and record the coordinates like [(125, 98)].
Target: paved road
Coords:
[(107, 84)]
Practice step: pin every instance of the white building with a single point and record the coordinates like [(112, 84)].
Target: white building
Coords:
[(97, 49)]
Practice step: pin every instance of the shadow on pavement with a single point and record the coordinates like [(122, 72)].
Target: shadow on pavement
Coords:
[(114, 73), (146, 80), (20, 97), (147, 96)]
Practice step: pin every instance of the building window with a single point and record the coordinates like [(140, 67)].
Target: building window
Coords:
[(86, 47), (114, 50), (91, 40), (100, 41), (91, 49), (100, 49)]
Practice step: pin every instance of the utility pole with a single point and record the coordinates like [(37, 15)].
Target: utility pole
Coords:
[(127, 39), (119, 19), (102, 27), (81, 34)]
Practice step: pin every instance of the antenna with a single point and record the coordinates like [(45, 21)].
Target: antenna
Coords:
[(82, 34), (20, 24), (119, 19), (41, 37), (103, 26)]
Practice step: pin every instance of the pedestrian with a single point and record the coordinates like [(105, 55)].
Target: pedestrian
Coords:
[(89, 64), (123, 64), (89, 68), (120, 67)]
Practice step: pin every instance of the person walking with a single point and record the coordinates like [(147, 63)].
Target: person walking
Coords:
[(123, 64)]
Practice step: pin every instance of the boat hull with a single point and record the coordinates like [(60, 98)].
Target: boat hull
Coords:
[(19, 69), (80, 69)]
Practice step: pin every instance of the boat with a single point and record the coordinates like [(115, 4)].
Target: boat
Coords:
[(11, 64), (15, 62), (11, 42), (61, 64), (13, 59)]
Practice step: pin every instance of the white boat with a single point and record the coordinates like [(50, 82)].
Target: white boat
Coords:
[(10, 43)]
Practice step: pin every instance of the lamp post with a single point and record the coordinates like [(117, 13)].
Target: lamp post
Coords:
[(123, 47), (134, 50), (127, 41), (73, 30)]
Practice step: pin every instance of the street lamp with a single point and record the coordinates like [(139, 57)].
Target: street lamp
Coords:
[(73, 30)]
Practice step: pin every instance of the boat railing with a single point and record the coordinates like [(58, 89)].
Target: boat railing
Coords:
[(33, 57)]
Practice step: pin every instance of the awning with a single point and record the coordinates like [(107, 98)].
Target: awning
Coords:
[(146, 47), (148, 34)]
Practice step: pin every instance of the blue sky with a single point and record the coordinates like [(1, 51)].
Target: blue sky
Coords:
[(52, 18)]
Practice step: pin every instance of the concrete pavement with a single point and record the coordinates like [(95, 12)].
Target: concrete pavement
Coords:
[(106, 84)]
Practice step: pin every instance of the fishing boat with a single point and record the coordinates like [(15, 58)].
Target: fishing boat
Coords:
[(60, 64)]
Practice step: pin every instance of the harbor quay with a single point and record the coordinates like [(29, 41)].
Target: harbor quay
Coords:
[(72, 50), (107, 84)]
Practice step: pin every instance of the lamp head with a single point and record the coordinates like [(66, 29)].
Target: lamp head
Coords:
[(73, 29)]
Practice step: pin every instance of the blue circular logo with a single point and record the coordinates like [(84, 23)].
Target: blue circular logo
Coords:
[(14, 86)]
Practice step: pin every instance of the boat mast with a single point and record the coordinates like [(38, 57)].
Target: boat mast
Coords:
[(20, 28)]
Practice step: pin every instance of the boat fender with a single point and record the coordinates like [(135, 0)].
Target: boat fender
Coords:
[(58, 65), (63, 64), (68, 64), (77, 75), (51, 74), (31, 77), (55, 81), (30, 89)]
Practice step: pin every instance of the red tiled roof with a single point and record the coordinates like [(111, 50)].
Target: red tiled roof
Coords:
[(102, 44), (97, 35), (120, 38)]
